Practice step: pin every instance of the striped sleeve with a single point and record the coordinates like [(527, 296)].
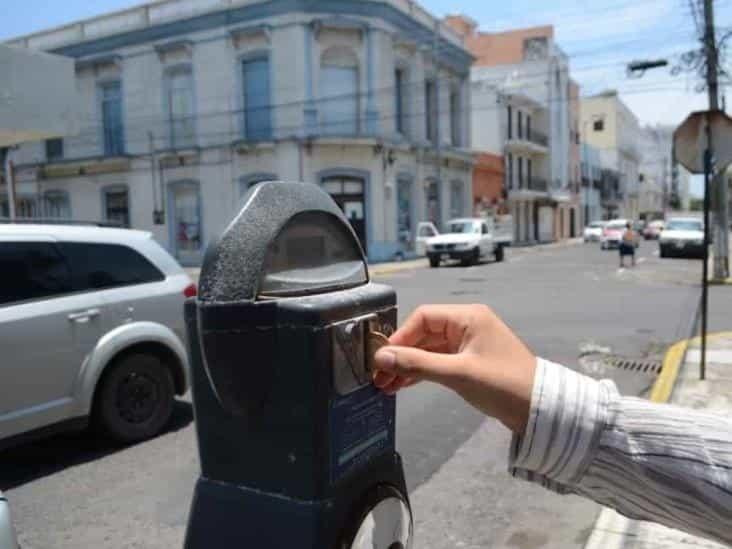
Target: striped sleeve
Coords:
[(648, 461)]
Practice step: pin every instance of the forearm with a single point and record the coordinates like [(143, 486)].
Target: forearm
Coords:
[(648, 461)]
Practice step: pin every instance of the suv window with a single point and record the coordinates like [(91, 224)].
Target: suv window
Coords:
[(32, 270), (98, 266)]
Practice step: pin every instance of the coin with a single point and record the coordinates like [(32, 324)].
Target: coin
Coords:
[(375, 341)]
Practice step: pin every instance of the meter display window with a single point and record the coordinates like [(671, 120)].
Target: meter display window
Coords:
[(313, 253)]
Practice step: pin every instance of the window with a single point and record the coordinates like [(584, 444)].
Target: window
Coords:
[(186, 217), (598, 125), (509, 171), (521, 172), (98, 266), (399, 116), (528, 126), (432, 196), (116, 206), (257, 99), (456, 199), (520, 124), (32, 270), (430, 110), (56, 205), (179, 89), (455, 128), (404, 211), (54, 149), (535, 48), (111, 98), (510, 122), (339, 92), (528, 170)]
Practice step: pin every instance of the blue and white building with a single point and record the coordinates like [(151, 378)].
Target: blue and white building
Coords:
[(187, 103)]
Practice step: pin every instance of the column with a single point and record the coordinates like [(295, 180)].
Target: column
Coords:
[(310, 112), (372, 112)]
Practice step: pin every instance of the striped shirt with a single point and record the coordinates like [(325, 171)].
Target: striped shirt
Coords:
[(647, 461)]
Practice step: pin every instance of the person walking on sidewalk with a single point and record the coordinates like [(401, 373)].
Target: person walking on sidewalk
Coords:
[(572, 433), (627, 245)]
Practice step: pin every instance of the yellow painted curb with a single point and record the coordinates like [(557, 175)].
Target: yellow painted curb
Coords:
[(664, 384)]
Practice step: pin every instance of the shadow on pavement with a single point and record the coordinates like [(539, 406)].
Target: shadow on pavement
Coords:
[(22, 464)]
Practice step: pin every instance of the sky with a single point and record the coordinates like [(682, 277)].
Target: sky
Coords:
[(599, 36)]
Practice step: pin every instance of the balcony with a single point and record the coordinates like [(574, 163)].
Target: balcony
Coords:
[(538, 184), (530, 187), (528, 142)]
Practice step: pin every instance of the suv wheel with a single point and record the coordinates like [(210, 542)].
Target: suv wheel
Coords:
[(135, 399)]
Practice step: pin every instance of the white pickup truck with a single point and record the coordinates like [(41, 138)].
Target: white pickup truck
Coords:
[(470, 239)]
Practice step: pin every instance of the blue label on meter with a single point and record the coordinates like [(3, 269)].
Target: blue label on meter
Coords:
[(361, 426)]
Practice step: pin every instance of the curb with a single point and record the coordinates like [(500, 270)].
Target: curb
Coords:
[(402, 266), (608, 521)]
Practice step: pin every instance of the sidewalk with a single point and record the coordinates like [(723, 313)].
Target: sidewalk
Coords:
[(679, 384), (389, 267)]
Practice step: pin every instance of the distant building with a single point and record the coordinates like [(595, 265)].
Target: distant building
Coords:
[(187, 104), (612, 128), (522, 110), (592, 185)]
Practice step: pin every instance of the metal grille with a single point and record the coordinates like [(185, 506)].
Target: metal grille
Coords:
[(633, 364)]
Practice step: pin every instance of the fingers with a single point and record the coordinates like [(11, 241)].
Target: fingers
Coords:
[(431, 325), (408, 363)]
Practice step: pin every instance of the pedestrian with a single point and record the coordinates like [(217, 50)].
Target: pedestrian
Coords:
[(627, 245), (572, 433)]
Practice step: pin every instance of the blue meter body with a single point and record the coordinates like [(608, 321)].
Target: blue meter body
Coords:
[(297, 447)]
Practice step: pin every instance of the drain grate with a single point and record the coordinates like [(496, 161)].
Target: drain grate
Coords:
[(634, 364)]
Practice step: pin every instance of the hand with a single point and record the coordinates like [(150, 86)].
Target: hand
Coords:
[(468, 349)]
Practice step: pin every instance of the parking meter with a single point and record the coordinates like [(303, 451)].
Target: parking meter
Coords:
[(297, 447)]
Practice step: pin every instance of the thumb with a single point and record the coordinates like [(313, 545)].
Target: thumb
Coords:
[(410, 362)]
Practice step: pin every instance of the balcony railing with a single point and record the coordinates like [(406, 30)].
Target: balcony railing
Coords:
[(537, 138), (537, 184)]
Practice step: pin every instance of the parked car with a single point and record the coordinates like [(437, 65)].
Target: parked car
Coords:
[(653, 230), (470, 239), (682, 237), (612, 234), (92, 331), (7, 532), (593, 231), (425, 231)]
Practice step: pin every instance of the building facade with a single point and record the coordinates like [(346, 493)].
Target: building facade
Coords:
[(591, 194), (521, 97), (188, 104), (611, 127)]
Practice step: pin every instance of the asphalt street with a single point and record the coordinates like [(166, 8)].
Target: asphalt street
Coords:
[(74, 491)]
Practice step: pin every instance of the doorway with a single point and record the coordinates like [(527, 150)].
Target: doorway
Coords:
[(349, 193)]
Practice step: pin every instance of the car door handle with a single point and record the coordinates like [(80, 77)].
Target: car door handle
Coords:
[(83, 316)]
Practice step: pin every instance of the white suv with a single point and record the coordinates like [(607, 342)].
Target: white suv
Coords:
[(91, 331)]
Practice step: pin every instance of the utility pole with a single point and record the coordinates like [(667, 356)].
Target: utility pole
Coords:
[(721, 217)]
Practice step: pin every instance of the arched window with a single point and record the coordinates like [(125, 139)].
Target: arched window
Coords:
[(180, 107), (339, 104)]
